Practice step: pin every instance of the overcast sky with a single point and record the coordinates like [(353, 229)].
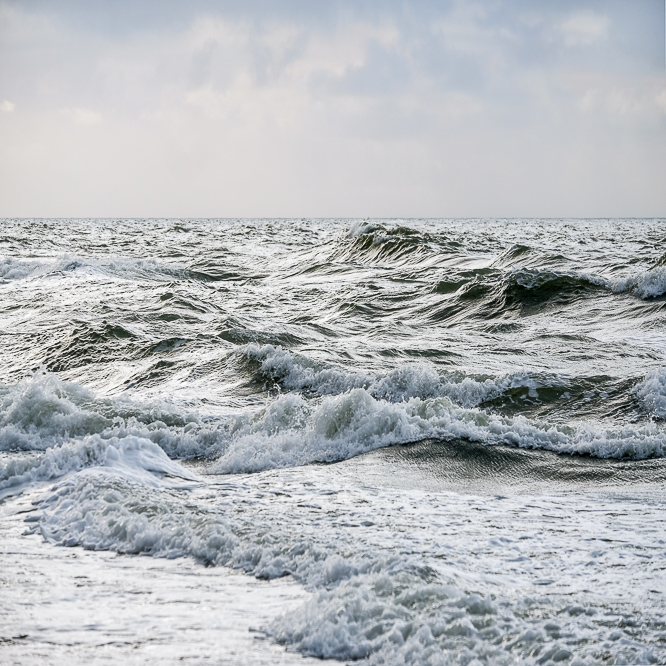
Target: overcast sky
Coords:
[(501, 108)]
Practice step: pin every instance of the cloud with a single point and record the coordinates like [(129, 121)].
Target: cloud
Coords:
[(661, 99), (7, 106), (585, 28), (82, 116), (380, 108)]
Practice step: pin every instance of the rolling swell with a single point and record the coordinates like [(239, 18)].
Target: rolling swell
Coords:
[(399, 245), (468, 466), (491, 293)]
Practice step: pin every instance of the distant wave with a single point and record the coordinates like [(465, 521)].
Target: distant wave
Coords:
[(120, 268), (518, 268), (400, 245), (535, 285)]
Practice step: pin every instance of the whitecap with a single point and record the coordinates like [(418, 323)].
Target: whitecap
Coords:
[(652, 392), (650, 284)]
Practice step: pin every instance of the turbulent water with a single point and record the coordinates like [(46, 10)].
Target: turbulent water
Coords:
[(450, 434)]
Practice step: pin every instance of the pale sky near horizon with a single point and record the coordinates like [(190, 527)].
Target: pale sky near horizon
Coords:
[(457, 108)]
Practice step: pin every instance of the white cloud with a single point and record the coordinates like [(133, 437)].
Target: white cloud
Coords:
[(585, 28), (7, 106), (661, 100), (82, 116)]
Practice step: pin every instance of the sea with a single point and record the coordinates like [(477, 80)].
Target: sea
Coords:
[(380, 441)]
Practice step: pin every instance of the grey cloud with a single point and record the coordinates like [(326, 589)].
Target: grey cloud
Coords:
[(456, 107)]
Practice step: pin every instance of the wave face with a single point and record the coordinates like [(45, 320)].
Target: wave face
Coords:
[(181, 388)]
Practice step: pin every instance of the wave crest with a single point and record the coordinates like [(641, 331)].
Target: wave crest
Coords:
[(652, 392), (292, 431), (651, 284), (296, 372)]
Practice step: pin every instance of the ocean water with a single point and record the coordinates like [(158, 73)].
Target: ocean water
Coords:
[(384, 441)]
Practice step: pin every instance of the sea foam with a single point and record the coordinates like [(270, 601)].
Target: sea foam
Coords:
[(418, 602), (42, 411), (650, 284), (292, 431), (136, 456), (299, 373), (652, 392)]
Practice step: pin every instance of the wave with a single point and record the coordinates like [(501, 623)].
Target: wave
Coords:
[(136, 456), (547, 281), (296, 372), (16, 269), (66, 264), (652, 392), (132, 268), (292, 431), (523, 256), (527, 390), (519, 272), (370, 242), (44, 414), (499, 292), (651, 284), (486, 293), (42, 411)]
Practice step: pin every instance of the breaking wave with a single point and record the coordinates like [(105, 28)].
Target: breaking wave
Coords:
[(296, 372), (292, 431), (129, 268), (651, 284), (652, 392), (42, 411), (350, 415)]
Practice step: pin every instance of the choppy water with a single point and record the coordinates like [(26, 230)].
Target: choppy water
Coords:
[(492, 393)]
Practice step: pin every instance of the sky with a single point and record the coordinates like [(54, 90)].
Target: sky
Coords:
[(364, 108)]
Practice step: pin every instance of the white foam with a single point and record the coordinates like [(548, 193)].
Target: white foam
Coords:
[(650, 284), (18, 269), (116, 267), (361, 227), (652, 392), (107, 509), (42, 410), (15, 269), (422, 584), (134, 455), (366, 603), (371, 618), (296, 372), (292, 431)]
